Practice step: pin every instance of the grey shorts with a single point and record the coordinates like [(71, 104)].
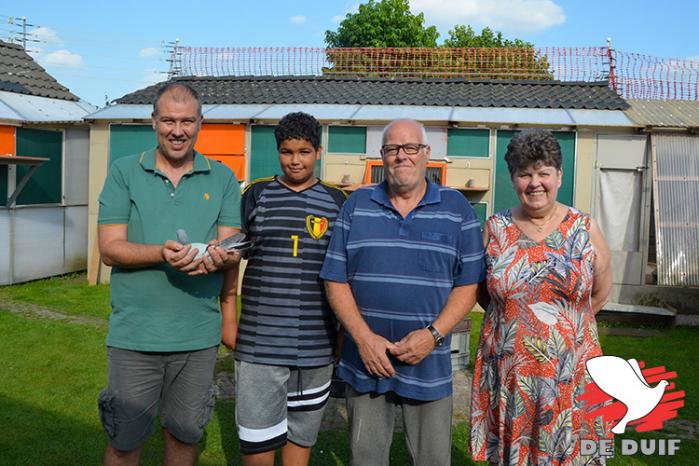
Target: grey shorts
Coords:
[(182, 382), (276, 403)]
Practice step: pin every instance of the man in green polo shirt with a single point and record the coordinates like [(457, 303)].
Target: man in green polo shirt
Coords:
[(165, 326)]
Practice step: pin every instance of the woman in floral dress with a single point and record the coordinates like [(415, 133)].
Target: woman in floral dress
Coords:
[(548, 275)]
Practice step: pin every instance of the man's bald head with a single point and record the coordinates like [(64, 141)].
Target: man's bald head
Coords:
[(179, 93), (401, 122)]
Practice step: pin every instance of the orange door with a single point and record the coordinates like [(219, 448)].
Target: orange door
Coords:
[(224, 143), (7, 140)]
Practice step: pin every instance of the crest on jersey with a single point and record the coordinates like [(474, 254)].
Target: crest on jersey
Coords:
[(316, 226)]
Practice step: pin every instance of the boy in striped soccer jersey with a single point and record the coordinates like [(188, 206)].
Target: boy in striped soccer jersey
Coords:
[(287, 331)]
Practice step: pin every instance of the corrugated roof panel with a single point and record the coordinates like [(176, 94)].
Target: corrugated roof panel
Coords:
[(122, 112), (474, 115), (534, 116), (7, 113), (321, 112), (212, 112), (42, 109), (600, 118), (664, 113), (233, 112), (677, 222), (391, 112)]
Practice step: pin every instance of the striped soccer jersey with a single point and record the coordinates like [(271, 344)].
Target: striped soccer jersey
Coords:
[(286, 319)]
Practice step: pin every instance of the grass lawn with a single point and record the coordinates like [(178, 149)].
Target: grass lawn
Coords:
[(69, 294), (52, 371)]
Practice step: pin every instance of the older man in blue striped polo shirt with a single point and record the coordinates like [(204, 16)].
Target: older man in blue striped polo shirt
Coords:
[(401, 271)]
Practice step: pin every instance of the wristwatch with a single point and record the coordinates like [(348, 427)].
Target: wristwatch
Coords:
[(438, 338)]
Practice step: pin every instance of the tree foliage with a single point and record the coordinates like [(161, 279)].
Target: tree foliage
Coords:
[(386, 23), (490, 55), (464, 36)]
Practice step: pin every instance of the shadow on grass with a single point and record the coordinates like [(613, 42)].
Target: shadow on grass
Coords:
[(32, 436)]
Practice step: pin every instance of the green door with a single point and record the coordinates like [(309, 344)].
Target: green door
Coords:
[(129, 140), (264, 158), (505, 196), (3, 185), (46, 184)]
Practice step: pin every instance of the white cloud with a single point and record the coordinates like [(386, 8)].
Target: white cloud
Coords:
[(298, 19), (46, 35), (149, 52), (348, 8), (152, 76), (507, 16), (693, 58), (62, 58)]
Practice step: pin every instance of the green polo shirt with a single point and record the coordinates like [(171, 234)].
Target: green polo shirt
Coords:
[(159, 308)]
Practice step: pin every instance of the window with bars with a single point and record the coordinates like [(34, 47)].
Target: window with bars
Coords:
[(374, 172)]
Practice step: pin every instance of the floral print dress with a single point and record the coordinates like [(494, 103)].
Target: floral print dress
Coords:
[(537, 333)]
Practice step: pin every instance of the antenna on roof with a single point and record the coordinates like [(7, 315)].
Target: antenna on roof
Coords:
[(24, 32), (172, 51), (20, 32), (611, 76)]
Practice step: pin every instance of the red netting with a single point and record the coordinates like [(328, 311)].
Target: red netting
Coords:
[(632, 75), (646, 77)]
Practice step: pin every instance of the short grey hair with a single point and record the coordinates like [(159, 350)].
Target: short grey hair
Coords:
[(177, 91), (401, 120)]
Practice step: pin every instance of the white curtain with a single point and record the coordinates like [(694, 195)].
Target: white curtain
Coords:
[(619, 208)]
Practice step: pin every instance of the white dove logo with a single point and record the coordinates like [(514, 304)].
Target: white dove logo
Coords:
[(623, 380)]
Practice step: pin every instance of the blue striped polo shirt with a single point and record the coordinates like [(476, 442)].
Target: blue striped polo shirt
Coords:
[(401, 271)]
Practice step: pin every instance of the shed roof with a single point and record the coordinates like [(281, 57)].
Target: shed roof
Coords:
[(664, 113), (19, 73), (382, 91), (28, 108), (383, 113)]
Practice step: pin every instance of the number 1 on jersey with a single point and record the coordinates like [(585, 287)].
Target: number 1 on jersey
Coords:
[(295, 239)]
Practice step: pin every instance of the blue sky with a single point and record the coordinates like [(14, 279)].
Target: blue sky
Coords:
[(112, 48)]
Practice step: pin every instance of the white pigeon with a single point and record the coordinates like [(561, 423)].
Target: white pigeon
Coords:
[(624, 381)]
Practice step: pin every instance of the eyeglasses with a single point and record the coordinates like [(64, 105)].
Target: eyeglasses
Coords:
[(391, 150)]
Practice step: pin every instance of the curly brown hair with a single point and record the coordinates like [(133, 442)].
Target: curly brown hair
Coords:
[(533, 147), (298, 125)]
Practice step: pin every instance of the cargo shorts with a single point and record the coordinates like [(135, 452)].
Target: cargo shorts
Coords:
[(180, 382)]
